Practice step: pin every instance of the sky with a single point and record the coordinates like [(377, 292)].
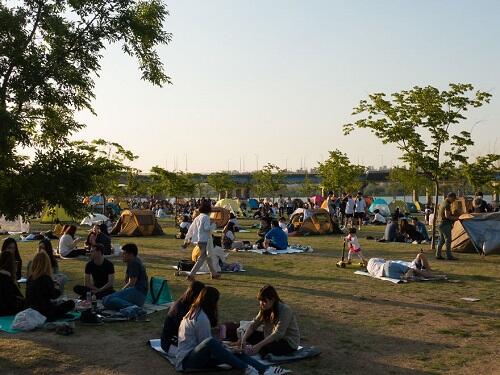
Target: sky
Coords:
[(257, 82)]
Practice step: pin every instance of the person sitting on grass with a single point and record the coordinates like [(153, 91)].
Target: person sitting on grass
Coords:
[(354, 247), (228, 238), (265, 226), (99, 275), (234, 220), (281, 335), (283, 224), (276, 237), (420, 227), (11, 298), (41, 290), (68, 244), (10, 245), (184, 227), (378, 219), (175, 315), (419, 267), (135, 290), (198, 349), (410, 232)]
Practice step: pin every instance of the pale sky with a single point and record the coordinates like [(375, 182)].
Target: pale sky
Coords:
[(276, 80)]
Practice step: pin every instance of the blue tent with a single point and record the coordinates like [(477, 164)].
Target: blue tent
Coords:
[(381, 205), (253, 203)]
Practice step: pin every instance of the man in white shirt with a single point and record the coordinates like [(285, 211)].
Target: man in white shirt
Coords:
[(359, 210), (349, 210)]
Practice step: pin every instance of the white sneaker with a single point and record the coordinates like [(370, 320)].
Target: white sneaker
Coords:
[(276, 370), (251, 371)]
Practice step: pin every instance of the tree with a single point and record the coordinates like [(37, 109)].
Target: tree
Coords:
[(269, 180), (482, 172), (422, 123), (50, 53), (338, 174), (172, 184), (307, 188), (221, 182), (408, 179)]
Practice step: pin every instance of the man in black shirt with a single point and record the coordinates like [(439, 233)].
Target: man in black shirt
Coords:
[(99, 275)]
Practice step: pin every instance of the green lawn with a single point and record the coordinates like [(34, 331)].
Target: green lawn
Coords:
[(362, 325)]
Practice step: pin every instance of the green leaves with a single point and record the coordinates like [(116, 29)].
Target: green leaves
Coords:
[(482, 172), (338, 174), (221, 182), (172, 184), (268, 181)]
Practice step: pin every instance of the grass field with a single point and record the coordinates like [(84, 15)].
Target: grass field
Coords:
[(362, 325)]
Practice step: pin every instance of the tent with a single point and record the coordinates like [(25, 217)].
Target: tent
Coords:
[(18, 225), (419, 206), (123, 205), (96, 199), (381, 205), (134, 223), (477, 232), (411, 208), (297, 202), (317, 199), (398, 204), (220, 215), (232, 205), (253, 203), (116, 209), (92, 219), (50, 214), (319, 223), (462, 205)]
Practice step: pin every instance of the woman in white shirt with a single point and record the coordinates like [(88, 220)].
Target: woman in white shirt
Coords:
[(68, 244), (200, 233), (378, 219)]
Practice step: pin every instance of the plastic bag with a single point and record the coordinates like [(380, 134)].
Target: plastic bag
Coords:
[(28, 320)]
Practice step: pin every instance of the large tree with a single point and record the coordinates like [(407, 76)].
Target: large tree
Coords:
[(50, 53), (424, 124), (338, 174), (408, 180), (221, 182), (269, 180)]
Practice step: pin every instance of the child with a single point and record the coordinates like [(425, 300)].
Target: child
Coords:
[(354, 246), (283, 225)]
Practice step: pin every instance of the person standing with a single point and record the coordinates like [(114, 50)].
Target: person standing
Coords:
[(349, 210), (136, 288), (359, 210), (446, 220)]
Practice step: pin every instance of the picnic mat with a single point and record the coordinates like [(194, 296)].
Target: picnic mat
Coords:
[(185, 273), (6, 321), (294, 249), (401, 281), (302, 352)]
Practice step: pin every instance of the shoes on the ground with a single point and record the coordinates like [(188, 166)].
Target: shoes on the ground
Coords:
[(439, 257), (276, 370), (216, 276), (451, 258)]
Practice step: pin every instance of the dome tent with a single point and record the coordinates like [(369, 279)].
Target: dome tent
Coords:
[(320, 222), (381, 205), (135, 223)]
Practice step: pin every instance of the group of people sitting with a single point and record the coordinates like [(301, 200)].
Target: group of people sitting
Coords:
[(399, 229), (68, 243), (192, 334)]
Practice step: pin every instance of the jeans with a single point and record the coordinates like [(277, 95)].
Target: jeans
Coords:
[(124, 298), (280, 347), (394, 270), (82, 290), (444, 238), (210, 353)]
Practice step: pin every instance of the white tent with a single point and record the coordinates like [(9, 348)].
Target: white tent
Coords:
[(484, 232), (92, 219), (15, 226)]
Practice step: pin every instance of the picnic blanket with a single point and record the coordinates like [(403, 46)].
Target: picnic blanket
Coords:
[(185, 273), (402, 281), (6, 321), (292, 249), (269, 360)]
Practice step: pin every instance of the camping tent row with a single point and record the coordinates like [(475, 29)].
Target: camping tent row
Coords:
[(477, 232), (386, 209)]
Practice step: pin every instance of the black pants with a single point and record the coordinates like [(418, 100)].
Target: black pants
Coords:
[(83, 290), (58, 311), (76, 253), (280, 347)]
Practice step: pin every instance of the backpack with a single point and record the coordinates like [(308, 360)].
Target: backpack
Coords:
[(185, 265), (159, 292)]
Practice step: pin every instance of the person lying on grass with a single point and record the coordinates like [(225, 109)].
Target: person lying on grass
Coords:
[(419, 267), (198, 349), (175, 315), (136, 288), (281, 334)]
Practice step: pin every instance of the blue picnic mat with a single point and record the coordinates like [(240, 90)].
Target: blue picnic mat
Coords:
[(6, 321)]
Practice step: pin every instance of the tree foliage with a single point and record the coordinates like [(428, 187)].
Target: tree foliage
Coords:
[(482, 172), (49, 58), (408, 179), (172, 184), (308, 188), (338, 174), (221, 182), (268, 181), (423, 123)]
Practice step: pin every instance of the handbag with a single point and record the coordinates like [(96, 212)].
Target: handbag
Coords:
[(185, 265), (159, 292)]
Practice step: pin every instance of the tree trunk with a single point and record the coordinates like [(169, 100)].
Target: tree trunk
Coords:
[(434, 219), (103, 204), (415, 195)]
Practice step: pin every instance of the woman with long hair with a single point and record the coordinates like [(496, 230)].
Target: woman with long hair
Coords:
[(41, 289), (200, 233), (199, 350), (281, 334), (46, 245), (175, 315), (10, 244), (68, 243), (11, 298)]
